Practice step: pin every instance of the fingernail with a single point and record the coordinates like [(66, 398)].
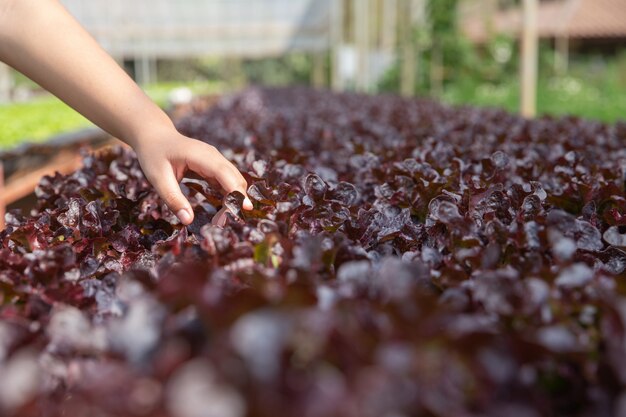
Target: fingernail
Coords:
[(184, 216), (247, 202)]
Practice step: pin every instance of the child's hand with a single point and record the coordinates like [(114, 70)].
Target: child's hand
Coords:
[(42, 40), (166, 156)]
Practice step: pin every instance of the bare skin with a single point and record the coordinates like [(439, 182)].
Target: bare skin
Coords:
[(43, 41)]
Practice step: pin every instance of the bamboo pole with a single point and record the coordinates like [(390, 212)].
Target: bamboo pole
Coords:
[(529, 59), (388, 25), (412, 16), (436, 70), (336, 36), (144, 70), (318, 75), (374, 24), (407, 49)]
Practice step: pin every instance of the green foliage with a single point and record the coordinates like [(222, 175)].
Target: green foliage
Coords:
[(232, 74), (47, 116), (488, 75), (36, 120), (498, 61), (39, 119), (440, 36), (442, 15), (286, 70), (160, 92), (595, 95)]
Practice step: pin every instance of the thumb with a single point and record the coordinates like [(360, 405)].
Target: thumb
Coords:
[(167, 186)]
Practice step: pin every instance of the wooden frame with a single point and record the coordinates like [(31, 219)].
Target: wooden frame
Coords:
[(67, 160)]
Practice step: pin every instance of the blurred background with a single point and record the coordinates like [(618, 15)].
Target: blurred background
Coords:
[(536, 57), (457, 51)]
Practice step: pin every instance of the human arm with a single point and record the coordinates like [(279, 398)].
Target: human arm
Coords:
[(43, 41)]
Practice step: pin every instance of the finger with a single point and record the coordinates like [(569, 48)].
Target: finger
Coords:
[(212, 164), (247, 204), (166, 185)]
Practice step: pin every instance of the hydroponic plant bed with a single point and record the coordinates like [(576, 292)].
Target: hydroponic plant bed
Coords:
[(403, 259)]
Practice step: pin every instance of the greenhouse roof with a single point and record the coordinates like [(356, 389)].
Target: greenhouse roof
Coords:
[(188, 28)]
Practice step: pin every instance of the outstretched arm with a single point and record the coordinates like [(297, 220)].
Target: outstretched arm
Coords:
[(43, 41)]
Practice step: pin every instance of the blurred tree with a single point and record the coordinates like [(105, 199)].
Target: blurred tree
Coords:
[(290, 69), (445, 41), (450, 57), (293, 68)]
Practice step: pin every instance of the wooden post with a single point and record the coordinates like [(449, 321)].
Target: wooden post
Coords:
[(412, 15), (388, 25), (407, 48), (318, 76), (374, 38), (436, 70), (236, 76), (529, 59), (144, 70), (336, 39), (375, 16), (154, 73)]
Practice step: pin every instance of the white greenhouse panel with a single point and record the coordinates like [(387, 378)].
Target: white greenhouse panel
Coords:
[(188, 28)]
